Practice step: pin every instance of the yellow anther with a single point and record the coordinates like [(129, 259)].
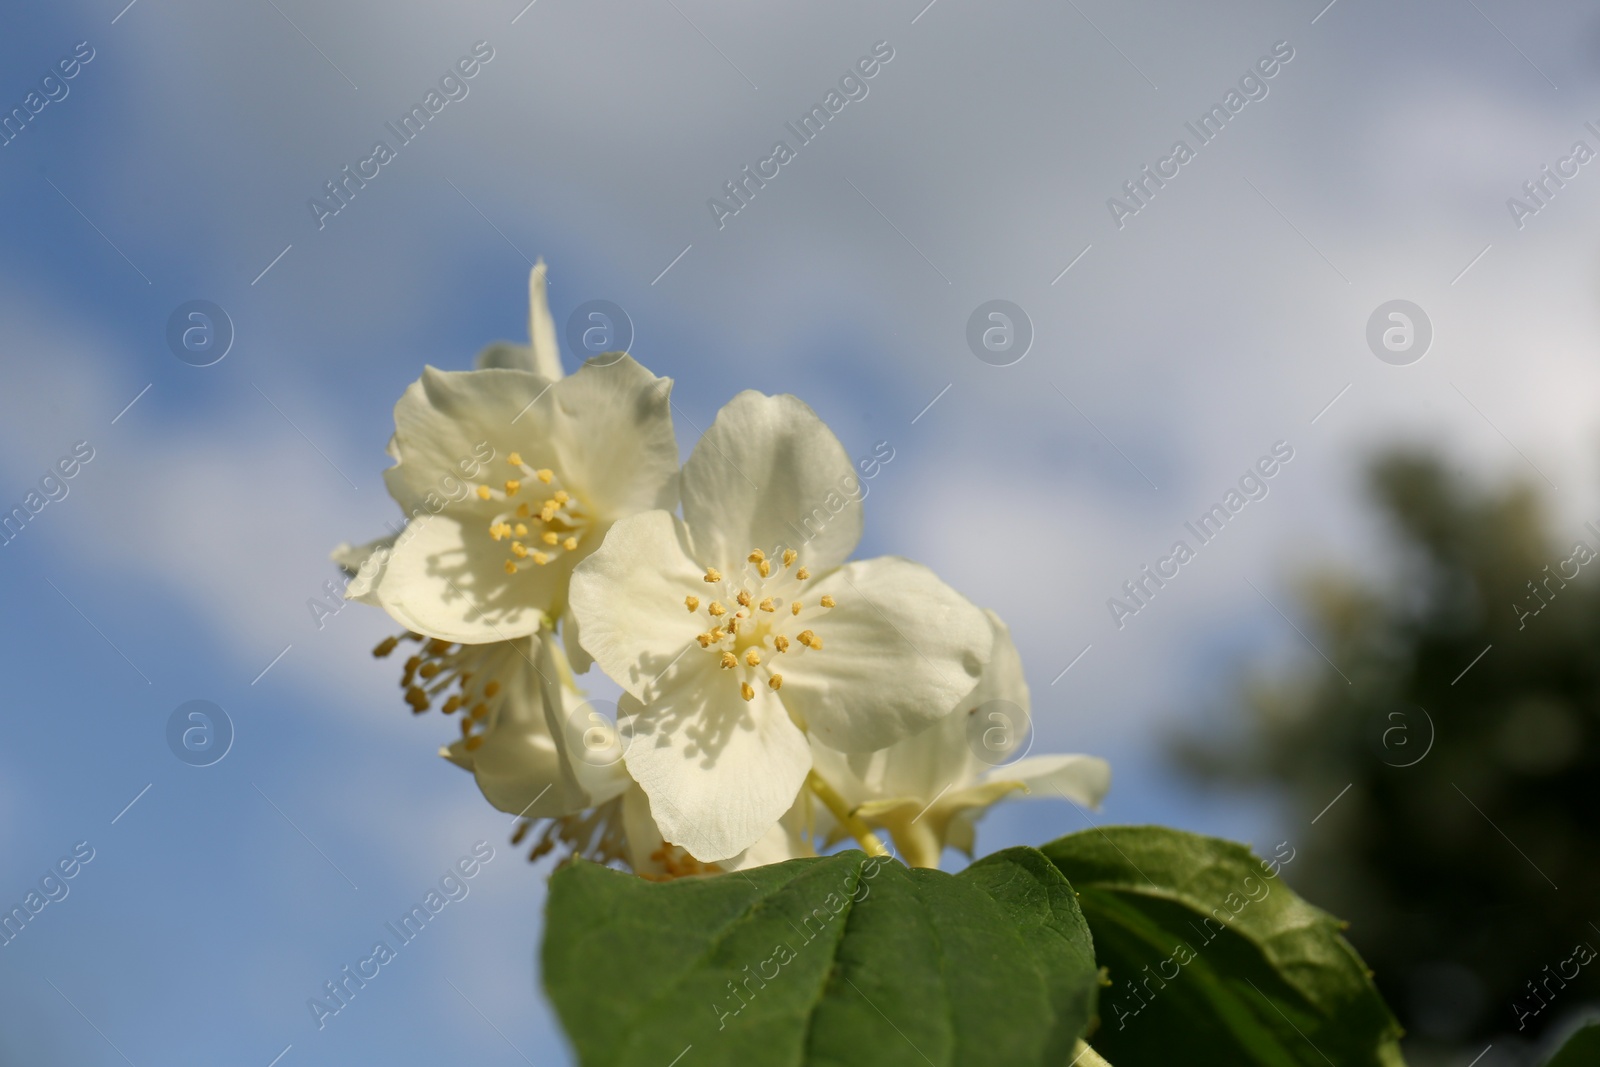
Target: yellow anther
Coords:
[(512, 485), (473, 743), (519, 550), (544, 475), (466, 727), (753, 658), (802, 574), (417, 699), (496, 531), (765, 568), (794, 608), (386, 646), (716, 609), (522, 530), (766, 604), (562, 496), (480, 712), (743, 598), (816, 644), (540, 558), (757, 556), (491, 689), (515, 459), (570, 543), (452, 704), (547, 512), (692, 603), (511, 568), (729, 661), (431, 669), (781, 643), (807, 638), (550, 538), (713, 575), (523, 510), (827, 600), (437, 647), (746, 692), (789, 556), (775, 682), (705, 640)]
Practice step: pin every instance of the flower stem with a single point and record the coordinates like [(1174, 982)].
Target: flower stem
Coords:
[(848, 819), (1085, 1056)]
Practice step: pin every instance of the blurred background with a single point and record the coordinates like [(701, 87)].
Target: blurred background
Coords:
[(1388, 661)]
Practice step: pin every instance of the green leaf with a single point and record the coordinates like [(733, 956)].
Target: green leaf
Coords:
[(1213, 960), (839, 960), (1581, 1050)]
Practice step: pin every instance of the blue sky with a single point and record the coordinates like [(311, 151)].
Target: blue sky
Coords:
[(1221, 318)]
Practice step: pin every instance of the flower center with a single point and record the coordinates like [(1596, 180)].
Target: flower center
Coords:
[(473, 671), (538, 530), (758, 618)]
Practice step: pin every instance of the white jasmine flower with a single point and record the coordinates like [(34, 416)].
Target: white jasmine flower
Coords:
[(929, 790), (738, 644), (510, 479)]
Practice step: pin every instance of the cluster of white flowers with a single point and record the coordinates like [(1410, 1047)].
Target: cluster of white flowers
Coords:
[(777, 696)]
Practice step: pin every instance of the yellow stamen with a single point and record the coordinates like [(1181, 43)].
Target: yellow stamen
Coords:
[(807, 638), (729, 661), (570, 543), (789, 556), (544, 475), (705, 640), (480, 712), (431, 669), (765, 568), (827, 600), (540, 558), (523, 510), (512, 485), (452, 704), (511, 568), (753, 658), (757, 556), (716, 609), (547, 512), (692, 603), (781, 643), (522, 531), (386, 646), (519, 549), (473, 743), (746, 692), (550, 538), (766, 604), (515, 459), (562, 496), (775, 682), (491, 689), (816, 644), (794, 609), (483, 492), (802, 574), (743, 598), (713, 575)]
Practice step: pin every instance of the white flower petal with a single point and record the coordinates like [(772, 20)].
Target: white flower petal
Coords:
[(720, 771), (1082, 779), (449, 582), (900, 649), (770, 473), (453, 430), (541, 356), (350, 557), (628, 599), (611, 428)]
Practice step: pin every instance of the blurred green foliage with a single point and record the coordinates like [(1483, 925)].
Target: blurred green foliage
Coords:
[(1469, 868)]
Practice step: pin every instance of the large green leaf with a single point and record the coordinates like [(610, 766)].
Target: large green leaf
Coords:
[(1582, 1049), (1214, 961), (840, 960)]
